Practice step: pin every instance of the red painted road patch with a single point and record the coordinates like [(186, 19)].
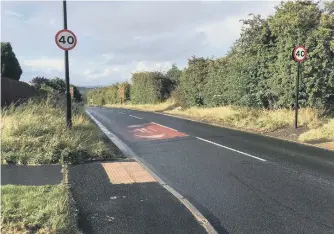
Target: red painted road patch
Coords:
[(153, 131)]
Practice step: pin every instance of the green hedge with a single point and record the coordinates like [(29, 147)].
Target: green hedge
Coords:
[(149, 87)]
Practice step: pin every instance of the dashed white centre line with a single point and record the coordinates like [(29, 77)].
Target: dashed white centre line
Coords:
[(120, 112), (240, 152), (135, 116)]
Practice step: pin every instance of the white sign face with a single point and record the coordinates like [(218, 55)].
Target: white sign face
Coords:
[(299, 54), (66, 39)]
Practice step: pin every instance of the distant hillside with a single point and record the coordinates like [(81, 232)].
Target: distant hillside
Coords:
[(84, 90)]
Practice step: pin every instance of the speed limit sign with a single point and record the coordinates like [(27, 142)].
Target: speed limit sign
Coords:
[(66, 39), (299, 54)]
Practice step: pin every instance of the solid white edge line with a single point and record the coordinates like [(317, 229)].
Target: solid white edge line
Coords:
[(135, 116), (128, 152), (164, 126), (240, 152)]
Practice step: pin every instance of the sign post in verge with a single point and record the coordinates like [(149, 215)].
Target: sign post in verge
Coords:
[(121, 94), (299, 55), (66, 40)]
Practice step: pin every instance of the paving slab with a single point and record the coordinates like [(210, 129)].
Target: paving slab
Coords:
[(31, 175)]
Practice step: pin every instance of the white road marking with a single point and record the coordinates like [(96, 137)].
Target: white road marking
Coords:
[(137, 126), (140, 130), (135, 116), (164, 126), (153, 130), (145, 130), (120, 112), (240, 152), (151, 137)]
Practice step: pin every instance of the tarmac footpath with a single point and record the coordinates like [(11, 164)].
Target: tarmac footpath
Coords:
[(122, 197)]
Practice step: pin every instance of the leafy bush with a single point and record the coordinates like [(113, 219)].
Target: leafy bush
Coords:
[(55, 85)]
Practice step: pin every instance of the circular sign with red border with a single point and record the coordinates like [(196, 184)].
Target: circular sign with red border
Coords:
[(299, 54), (66, 39)]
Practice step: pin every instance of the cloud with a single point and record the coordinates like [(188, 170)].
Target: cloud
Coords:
[(12, 13), (151, 66), (221, 33), (52, 21), (105, 73), (44, 64)]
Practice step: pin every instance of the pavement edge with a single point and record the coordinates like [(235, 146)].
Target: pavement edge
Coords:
[(128, 152)]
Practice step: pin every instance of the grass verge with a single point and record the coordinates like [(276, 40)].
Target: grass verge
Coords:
[(35, 133), (252, 119), (147, 107), (325, 132), (37, 209)]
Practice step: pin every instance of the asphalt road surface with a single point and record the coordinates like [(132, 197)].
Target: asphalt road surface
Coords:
[(241, 182)]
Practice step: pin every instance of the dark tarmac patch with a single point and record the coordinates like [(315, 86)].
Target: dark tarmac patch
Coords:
[(31, 175)]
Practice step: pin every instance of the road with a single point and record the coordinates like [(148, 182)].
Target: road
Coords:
[(241, 182)]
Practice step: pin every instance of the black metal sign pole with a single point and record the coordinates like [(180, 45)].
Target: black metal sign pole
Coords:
[(67, 78), (297, 92)]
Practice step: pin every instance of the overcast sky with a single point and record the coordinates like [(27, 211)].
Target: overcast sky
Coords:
[(117, 38)]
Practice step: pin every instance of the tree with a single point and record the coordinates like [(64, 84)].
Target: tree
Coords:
[(249, 65), (58, 84), (38, 81), (329, 7), (193, 81), (318, 79), (292, 24), (174, 74), (10, 66), (148, 87)]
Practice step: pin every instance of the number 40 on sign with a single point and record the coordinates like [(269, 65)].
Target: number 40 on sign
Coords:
[(299, 54), (66, 39)]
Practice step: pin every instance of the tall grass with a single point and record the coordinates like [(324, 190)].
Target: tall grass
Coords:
[(325, 132), (146, 107), (253, 119), (35, 133), (36, 209)]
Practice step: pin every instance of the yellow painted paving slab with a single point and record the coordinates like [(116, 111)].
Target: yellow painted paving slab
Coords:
[(127, 173)]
